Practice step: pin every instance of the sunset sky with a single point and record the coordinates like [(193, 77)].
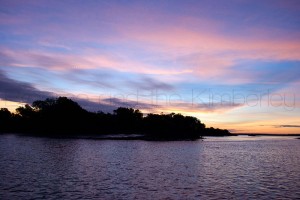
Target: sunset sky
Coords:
[(233, 64)]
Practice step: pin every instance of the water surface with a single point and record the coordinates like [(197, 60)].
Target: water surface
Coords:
[(229, 168)]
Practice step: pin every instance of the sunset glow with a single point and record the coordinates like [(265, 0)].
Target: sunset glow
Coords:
[(232, 64)]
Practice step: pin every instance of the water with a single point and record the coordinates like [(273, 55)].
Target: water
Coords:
[(217, 168)]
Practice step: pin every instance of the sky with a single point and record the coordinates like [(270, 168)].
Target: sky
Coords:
[(234, 64)]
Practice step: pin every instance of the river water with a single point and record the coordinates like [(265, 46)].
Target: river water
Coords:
[(239, 167)]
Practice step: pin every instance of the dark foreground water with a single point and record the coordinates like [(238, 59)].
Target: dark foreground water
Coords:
[(224, 168)]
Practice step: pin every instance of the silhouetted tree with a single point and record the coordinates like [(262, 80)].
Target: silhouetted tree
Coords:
[(26, 111), (128, 119), (62, 116), (4, 114), (5, 119)]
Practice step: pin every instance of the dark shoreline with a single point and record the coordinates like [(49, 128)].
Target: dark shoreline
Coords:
[(105, 137), (130, 137), (113, 137)]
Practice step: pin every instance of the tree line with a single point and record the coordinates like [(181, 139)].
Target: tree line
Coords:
[(64, 117)]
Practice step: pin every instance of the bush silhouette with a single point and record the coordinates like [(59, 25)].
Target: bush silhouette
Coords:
[(64, 117)]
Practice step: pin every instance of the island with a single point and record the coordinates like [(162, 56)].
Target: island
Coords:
[(63, 117)]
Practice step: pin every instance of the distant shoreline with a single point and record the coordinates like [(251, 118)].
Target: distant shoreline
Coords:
[(265, 134), (136, 136), (143, 137)]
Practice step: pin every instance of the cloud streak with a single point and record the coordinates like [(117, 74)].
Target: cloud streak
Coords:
[(19, 91), (147, 83), (205, 51), (16, 91), (287, 126)]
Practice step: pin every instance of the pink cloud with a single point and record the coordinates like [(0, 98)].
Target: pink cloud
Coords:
[(213, 55), (198, 45), (55, 61), (180, 40)]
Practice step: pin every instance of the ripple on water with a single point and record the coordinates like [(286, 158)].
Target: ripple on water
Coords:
[(82, 169)]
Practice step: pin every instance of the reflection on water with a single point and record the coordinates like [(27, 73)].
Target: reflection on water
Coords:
[(101, 169)]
